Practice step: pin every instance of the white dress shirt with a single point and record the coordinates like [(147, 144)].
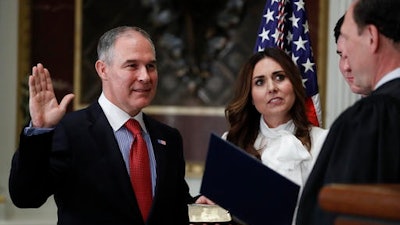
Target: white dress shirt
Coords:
[(117, 119)]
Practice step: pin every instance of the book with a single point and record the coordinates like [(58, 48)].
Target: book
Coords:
[(251, 192), (203, 213)]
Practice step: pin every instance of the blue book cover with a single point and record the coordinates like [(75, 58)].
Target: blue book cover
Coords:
[(252, 192)]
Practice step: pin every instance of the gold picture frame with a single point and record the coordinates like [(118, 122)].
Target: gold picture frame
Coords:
[(166, 111)]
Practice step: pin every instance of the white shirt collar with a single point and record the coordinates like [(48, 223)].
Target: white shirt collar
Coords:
[(282, 151), (116, 116), (273, 132), (388, 77)]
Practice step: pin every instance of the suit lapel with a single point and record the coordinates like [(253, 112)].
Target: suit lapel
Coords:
[(119, 182)]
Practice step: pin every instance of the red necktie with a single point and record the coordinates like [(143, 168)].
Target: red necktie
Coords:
[(140, 168)]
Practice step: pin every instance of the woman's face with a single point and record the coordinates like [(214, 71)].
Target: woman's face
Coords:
[(272, 92)]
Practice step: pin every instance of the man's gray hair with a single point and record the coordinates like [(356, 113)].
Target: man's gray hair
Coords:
[(106, 42)]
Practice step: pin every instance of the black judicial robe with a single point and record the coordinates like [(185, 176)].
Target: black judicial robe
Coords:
[(363, 146)]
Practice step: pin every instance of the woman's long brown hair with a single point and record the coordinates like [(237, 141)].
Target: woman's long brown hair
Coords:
[(243, 117)]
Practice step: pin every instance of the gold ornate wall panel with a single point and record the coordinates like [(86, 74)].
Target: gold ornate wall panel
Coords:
[(200, 44)]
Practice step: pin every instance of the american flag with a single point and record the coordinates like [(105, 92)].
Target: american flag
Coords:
[(284, 25)]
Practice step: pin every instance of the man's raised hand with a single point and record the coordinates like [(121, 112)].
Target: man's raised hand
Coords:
[(43, 106)]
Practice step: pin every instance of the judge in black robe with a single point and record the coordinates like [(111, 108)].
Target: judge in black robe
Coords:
[(363, 146)]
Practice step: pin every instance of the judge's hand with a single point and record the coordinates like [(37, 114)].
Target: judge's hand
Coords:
[(43, 106)]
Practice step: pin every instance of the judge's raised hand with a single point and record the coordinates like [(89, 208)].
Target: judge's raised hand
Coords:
[(43, 106)]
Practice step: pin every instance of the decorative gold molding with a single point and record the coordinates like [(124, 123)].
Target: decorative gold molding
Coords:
[(78, 54), (186, 110), (24, 51), (322, 53), (195, 169)]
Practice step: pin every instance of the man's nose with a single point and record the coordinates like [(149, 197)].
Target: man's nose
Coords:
[(143, 74)]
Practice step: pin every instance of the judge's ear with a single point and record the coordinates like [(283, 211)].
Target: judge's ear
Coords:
[(373, 37), (101, 69)]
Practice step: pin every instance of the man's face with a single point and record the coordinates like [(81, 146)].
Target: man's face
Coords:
[(356, 51), (130, 80), (345, 69)]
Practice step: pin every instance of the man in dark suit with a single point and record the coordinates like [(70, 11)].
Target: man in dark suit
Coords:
[(363, 144), (82, 158)]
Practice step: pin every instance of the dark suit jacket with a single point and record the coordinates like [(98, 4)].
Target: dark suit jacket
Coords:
[(81, 165), (363, 146)]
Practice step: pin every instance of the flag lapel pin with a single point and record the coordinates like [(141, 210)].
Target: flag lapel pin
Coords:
[(162, 142)]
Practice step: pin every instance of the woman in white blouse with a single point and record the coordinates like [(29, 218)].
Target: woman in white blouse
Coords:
[(267, 116)]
